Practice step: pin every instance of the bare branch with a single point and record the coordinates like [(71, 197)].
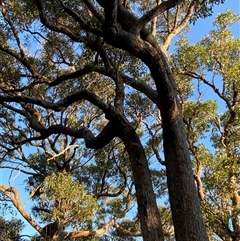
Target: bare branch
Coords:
[(13, 194), (177, 29), (62, 152)]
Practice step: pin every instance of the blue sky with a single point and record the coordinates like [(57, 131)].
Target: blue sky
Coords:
[(203, 26), (198, 31)]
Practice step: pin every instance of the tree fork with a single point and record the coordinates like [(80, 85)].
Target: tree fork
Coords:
[(185, 205)]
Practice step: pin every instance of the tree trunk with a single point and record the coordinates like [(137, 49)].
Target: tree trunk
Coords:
[(185, 205), (148, 212), (125, 31), (147, 207)]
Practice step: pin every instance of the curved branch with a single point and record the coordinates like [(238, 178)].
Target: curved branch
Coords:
[(199, 185), (96, 233), (102, 139), (61, 104), (13, 194), (76, 74)]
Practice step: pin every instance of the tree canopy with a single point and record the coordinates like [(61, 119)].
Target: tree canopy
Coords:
[(102, 121)]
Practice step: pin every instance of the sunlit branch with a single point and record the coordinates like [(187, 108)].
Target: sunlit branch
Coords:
[(176, 17), (154, 22), (96, 233), (126, 231), (13, 194), (62, 152), (176, 30), (199, 185)]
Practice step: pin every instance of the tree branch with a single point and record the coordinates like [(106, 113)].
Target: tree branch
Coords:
[(180, 27), (126, 231), (110, 10), (78, 19), (141, 22), (61, 104), (96, 233), (15, 199), (59, 28), (93, 10), (76, 74)]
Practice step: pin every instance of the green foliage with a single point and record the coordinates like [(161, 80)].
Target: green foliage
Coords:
[(82, 188), (214, 62), (10, 229), (68, 201)]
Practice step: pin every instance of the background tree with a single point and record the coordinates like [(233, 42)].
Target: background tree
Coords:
[(10, 229), (216, 166)]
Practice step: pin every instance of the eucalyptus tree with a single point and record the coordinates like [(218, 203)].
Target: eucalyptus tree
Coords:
[(216, 167), (60, 59)]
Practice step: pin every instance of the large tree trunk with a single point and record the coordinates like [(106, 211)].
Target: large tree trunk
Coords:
[(126, 32), (185, 206), (148, 211)]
